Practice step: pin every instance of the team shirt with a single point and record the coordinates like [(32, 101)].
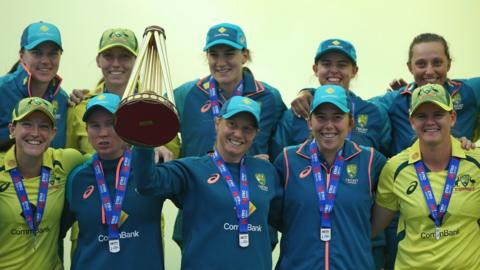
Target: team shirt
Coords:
[(399, 190), (210, 227), (139, 225), (350, 246), (18, 249)]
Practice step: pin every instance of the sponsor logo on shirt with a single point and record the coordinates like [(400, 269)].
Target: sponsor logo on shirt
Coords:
[(411, 188), (464, 183), (234, 227), (122, 235), (443, 233), (362, 120), (88, 192), (28, 231), (205, 107), (305, 172), (4, 186), (213, 178), (262, 181)]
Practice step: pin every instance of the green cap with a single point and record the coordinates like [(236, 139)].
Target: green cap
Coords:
[(118, 37), (29, 105), (434, 93)]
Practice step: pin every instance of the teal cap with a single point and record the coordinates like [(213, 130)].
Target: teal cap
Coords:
[(238, 104), (37, 33), (333, 94), (105, 101), (227, 34)]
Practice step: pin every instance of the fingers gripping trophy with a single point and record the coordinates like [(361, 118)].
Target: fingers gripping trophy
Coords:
[(145, 117)]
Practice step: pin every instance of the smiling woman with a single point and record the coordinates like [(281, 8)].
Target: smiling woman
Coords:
[(32, 177), (228, 197), (35, 75)]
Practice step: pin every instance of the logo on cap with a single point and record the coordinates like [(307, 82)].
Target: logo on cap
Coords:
[(330, 91), (246, 101), (222, 30), (44, 28), (101, 97), (336, 42)]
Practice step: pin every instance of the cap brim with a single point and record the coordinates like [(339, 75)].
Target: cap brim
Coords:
[(223, 42), (329, 50), (334, 103), (117, 45), (40, 41), (237, 111), (90, 110), (439, 104)]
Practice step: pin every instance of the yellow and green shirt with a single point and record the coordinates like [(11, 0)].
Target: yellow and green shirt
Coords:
[(17, 241), (399, 190)]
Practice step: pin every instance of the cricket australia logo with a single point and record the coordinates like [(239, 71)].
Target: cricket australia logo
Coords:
[(457, 102), (351, 174), (262, 181), (362, 120), (464, 183)]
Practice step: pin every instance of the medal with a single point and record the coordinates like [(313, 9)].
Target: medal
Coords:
[(325, 234), (114, 245), (243, 240)]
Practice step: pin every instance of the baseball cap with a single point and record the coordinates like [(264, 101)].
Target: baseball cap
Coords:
[(336, 45), (105, 101), (333, 94), (118, 37), (434, 93), (29, 105), (238, 104), (40, 32), (226, 33)]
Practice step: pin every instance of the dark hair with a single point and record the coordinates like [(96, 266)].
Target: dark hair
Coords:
[(428, 37)]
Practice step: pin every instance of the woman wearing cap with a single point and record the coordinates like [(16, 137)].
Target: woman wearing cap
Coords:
[(116, 56), (32, 182), (328, 186), (433, 184), (336, 63), (227, 197), (199, 101), (35, 75), (117, 225)]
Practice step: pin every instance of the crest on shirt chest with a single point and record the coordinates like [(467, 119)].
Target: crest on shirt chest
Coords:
[(262, 181), (351, 174), (362, 121), (465, 182), (457, 101)]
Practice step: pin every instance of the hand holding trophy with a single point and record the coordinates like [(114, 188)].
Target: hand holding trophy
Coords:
[(145, 117)]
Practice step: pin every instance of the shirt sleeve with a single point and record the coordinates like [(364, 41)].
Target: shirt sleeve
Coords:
[(167, 180), (385, 196)]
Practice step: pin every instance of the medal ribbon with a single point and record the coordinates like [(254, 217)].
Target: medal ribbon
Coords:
[(212, 94), (326, 195), (438, 211), (242, 199), (32, 222), (113, 212)]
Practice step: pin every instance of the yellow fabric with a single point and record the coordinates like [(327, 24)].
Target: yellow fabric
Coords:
[(17, 242), (399, 190)]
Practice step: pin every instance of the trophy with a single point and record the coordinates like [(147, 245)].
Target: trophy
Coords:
[(145, 117)]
